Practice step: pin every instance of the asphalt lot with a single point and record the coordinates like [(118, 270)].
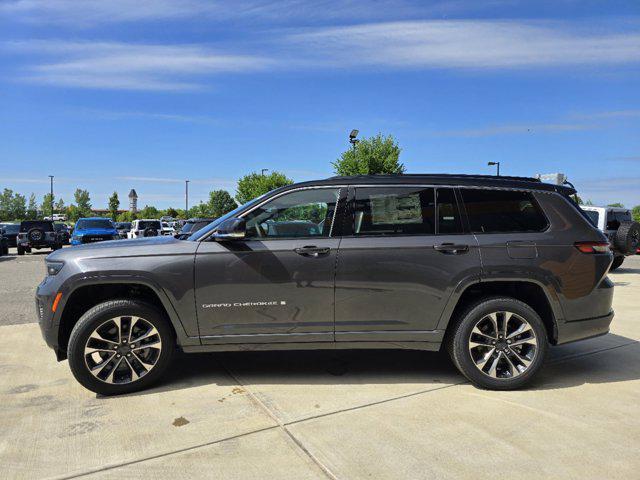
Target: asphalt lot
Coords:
[(376, 414)]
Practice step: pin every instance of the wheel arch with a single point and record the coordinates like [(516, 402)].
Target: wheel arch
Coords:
[(88, 293), (529, 291)]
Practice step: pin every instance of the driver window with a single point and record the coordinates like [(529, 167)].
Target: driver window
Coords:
[(304, 213)]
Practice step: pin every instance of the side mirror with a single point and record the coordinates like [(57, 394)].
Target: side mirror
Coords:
[(231, 229)]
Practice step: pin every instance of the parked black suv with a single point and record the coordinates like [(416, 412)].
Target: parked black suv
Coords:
[(11, 231), (192, 225), (37, 234), (494, 269)]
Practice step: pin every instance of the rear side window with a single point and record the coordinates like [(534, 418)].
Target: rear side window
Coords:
[(497, 211), (593, 216), (449, 221), (394, 211)]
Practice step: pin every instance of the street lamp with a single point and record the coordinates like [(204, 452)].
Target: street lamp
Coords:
[(497, 164), (51, 198), (186, 197), (352, 139)]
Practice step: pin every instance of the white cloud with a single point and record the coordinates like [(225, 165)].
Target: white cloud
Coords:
[(612, 114), (475, 44), (118, 65), (516, 129)]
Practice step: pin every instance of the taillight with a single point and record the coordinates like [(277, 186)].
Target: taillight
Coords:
[(593, 247)]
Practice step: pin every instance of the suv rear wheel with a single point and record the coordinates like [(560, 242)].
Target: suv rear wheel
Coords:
[(617, 262), (120, 346), (498, 343)]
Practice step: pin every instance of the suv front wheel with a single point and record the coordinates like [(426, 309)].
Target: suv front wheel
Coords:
[(120, 346), (498, 343)]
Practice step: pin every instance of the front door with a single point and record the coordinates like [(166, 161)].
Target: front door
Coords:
[(407, 253), (276, 285)]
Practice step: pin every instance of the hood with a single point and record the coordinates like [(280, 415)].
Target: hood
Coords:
[(118, 248)]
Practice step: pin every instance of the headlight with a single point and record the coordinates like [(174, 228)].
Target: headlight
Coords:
[(54, 267)]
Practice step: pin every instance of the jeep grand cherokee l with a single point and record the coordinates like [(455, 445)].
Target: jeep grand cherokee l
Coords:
[(493, 269)]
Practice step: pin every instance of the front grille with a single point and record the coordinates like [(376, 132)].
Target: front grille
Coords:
[(95, 238)]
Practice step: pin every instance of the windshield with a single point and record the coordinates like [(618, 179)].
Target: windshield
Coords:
[(123, 225), (89, 224), (142, 225), (213, 225), (10, 227)]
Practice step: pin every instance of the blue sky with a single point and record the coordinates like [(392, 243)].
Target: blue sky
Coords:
[(110, 95)]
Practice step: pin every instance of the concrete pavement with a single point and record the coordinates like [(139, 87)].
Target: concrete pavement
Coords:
[(357, 414)]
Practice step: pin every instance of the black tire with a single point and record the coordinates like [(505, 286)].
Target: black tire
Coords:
[(102, 313), (20, 250), (36, 235), (617, 261), (459, 334), (627, 239)]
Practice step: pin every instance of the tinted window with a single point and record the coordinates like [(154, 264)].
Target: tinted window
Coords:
[(305, 213), (43, 225), (11, 228), (143, 225), (502, 211), (448, 213), (593, 216), (394, 211), (89, 224)]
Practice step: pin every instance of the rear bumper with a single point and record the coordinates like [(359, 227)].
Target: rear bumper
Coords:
[(583, 329)]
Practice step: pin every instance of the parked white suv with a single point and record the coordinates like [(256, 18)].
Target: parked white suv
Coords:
[(145, 228), (167, 229), (57, 217), (618, 225)]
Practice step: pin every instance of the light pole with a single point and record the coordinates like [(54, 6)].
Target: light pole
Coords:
[(352, 139), (186, 197), (497, 164), (51, 198)]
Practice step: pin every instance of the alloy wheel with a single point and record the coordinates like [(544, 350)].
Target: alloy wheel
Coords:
[(122, 350), (503, 345)]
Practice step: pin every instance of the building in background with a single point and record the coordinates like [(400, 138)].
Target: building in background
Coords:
[(133, 201)]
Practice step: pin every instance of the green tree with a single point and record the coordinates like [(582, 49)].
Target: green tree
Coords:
[(32, 208), (13, 206), (375, 155), (171, 212), (617, 204), (60, 207), (220, 202), (47, 201), (114, 205), (253, 185), (149, 211), (126, 217), (83, 203), (635, 211)]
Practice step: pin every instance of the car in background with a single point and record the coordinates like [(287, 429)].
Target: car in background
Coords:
[(11, 231), (95, 229), (148, 227), (37, 234), (123, 228), (167, 229), (4, 243), (63, 232), (57, 217), (618, 225), (192, 225)]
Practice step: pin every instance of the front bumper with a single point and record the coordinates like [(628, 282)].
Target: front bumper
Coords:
[(47, 320)]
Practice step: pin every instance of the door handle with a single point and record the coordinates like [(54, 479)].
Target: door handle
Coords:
[(451, 248), (312, 251)]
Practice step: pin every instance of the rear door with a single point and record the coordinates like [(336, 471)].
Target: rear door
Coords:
[(405, 251)]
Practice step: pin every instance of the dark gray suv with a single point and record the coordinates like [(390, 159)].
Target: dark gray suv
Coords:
[(494, 269)]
